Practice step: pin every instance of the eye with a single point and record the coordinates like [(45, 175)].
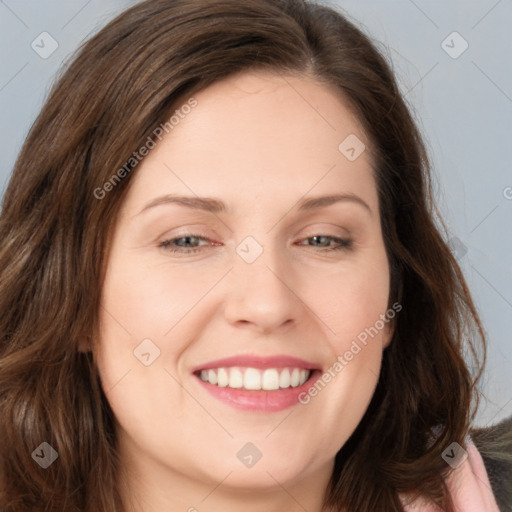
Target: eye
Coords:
[(191, 243), (186, 244), (324, 243)]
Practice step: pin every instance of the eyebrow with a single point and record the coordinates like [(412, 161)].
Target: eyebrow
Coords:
[(213, 205)]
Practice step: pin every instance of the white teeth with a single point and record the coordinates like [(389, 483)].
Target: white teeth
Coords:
[(294, 379), (236, 379), (255, 379), (252, 379), (284, 379), (270, 379), (222, 378), (212, 376)]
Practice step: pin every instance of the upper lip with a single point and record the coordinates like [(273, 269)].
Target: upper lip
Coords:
[(262, 362)]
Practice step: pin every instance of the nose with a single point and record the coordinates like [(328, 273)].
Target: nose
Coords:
[(263, 295)]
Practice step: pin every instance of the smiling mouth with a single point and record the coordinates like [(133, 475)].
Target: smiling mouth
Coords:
[(254, 379)]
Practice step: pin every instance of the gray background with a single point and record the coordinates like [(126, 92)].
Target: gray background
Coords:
[(463, 105)]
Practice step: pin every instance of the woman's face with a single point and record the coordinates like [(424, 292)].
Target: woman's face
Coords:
[(221, 253)]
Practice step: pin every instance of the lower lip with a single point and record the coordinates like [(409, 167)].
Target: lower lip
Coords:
[(260, 400)]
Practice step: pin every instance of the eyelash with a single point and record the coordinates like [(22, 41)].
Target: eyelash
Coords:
[(345, 244)]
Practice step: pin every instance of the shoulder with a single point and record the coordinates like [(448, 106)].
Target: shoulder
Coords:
[(482, 481), (494, 444)]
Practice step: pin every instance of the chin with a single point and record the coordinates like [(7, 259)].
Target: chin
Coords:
[(278, 464), (265, 476)]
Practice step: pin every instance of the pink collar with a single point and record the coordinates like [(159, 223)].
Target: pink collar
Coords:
[(468, 485)]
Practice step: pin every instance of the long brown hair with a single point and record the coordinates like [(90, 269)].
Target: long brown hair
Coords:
[(54, 240)]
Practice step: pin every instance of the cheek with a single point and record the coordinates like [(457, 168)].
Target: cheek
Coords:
[(350, 300), (147, 300), (352, 304), (141, 304)]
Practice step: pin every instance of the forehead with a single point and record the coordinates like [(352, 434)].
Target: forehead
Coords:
[(259, 133)]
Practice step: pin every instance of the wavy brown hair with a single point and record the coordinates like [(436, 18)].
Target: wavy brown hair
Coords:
[(54, 241)]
